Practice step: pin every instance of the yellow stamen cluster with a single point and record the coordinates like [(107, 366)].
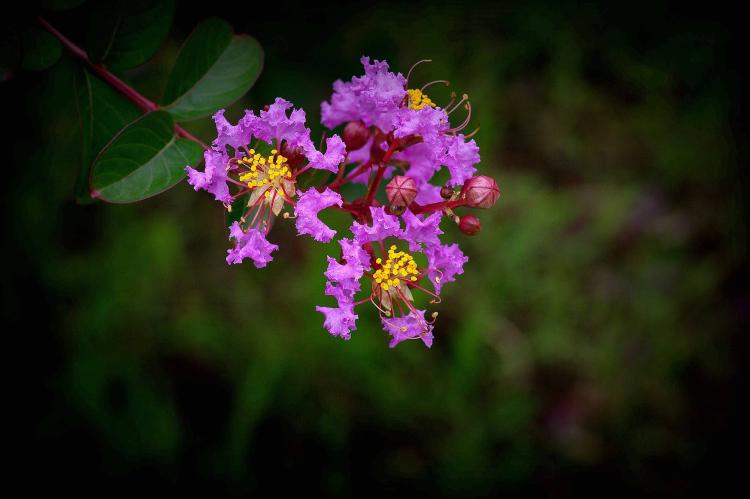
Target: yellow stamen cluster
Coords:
[(264, 169), (418, 99), (399, 266)]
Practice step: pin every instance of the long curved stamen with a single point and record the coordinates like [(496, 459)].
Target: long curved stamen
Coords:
[(434, 316), (438, 278), (446, 82), (270, 212), (464, 98), (250, 208), (450, 102), (235, 182), (287, 197), (473, 133), (241, 193), (436, 296), (387, 314), (466, 121), (390, 297), (260, 211), (408, 303), (402, 328), (412, 69)]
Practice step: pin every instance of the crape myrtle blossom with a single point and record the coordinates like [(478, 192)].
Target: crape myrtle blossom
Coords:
[(396, 276), (247, 156), (393, 132)]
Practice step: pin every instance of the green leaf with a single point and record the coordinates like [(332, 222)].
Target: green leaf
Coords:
[(39, 48), (103, 113), (144, 159), (126, 34), (214, 68)]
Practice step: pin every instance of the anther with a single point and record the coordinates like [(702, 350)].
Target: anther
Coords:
[(464, 98)]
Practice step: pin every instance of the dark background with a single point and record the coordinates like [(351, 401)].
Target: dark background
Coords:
[(594, 343)]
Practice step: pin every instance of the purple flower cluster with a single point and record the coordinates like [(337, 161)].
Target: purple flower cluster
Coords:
[(394, 259)]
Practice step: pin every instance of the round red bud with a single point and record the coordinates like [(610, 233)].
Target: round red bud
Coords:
[(480, 192), (355, 135), (295, 156), (401, 191), (446, 192), (376, 150), (469, 225)]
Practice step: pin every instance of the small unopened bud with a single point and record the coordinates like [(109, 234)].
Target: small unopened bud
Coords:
[(446, 192), (376, 150), (469, 225), (295, 156), (401, 191), (355, 135), (480, 192)]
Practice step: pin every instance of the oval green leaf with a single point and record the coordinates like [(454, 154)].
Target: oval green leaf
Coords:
[(214, 68), (127, 34), (103, 113), (144, 159), (39, 49)]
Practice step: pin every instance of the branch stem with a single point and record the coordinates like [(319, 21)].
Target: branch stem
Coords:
[(100, 70)]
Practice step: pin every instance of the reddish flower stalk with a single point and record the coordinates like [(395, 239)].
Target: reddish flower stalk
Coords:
[(116, 83), (429, 208), (379, 175)]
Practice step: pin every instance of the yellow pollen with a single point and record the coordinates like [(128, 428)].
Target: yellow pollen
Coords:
[(399, 265), (264, 170), (418, 99)]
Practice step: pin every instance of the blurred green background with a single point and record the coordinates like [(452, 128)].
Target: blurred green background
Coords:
[(592, 344)]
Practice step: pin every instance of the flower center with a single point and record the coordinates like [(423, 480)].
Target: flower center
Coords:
[(264, 170), (418, 99), (399, 266)]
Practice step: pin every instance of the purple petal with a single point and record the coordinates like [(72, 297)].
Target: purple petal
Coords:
[(372, 98), (408, 327), (460, 158), (213, 178), (233, 135), (421, 231), (310, 203), (353, 253), (344, 277), (274, 126), (424, 161), (249, 244), (334, 155), (428, 122), (444, 262), (428, 194), (339, 321), (383, 225)]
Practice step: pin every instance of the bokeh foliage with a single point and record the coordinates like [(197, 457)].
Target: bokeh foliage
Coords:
[(589, 344)]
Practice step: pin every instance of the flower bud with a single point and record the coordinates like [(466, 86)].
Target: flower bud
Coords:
[(401, 191), (355, 135), (295, 156), (480, 192), (446, 192), (376, 150), (469, 225)]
